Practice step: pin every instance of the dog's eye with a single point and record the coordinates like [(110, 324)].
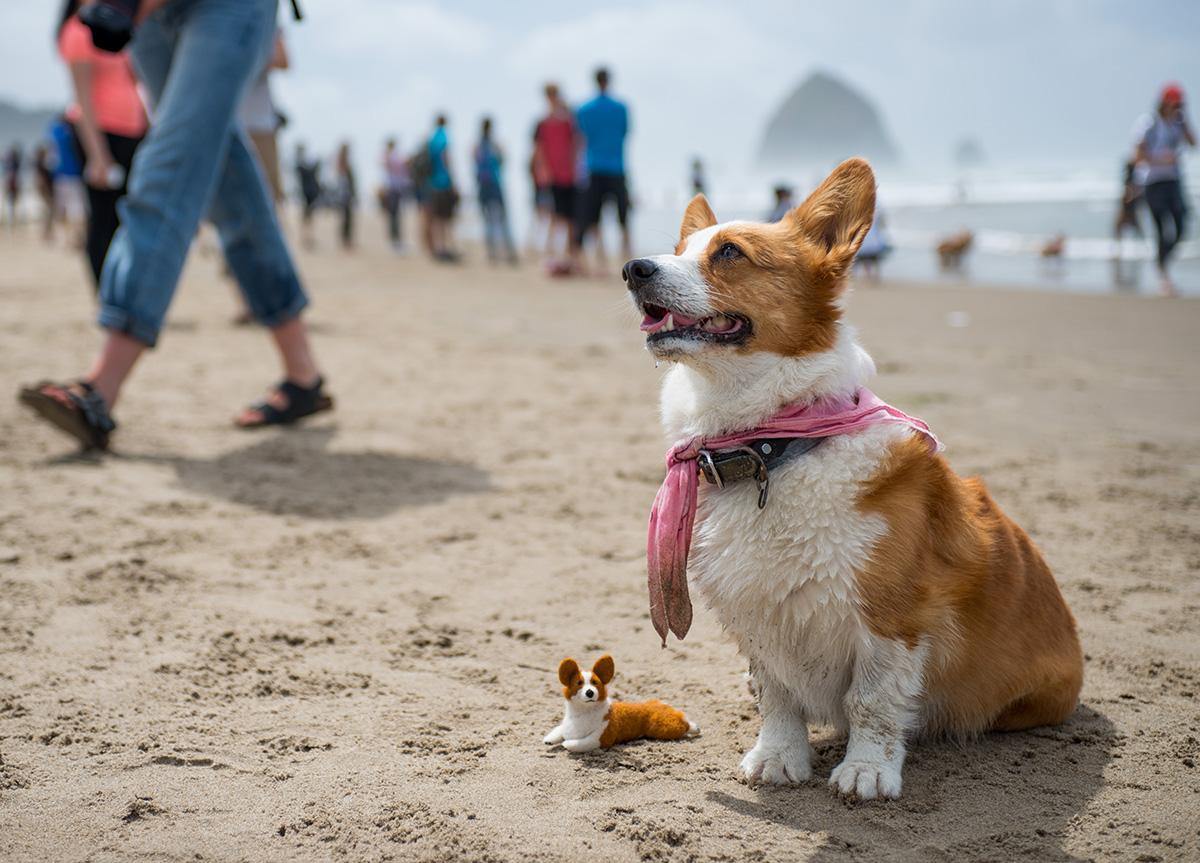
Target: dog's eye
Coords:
[(728, 252)]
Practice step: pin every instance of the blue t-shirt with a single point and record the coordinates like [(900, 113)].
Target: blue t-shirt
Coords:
[(64, 146), (487, 167), (440, 177), (604, 123)]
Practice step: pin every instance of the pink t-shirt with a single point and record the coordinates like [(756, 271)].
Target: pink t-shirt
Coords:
[(556, 145), (118, 106)]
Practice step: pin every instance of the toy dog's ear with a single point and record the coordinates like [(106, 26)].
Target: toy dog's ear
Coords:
[(604, 669), (567, 669)]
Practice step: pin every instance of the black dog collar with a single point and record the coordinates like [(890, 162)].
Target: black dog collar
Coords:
[(754, 461)]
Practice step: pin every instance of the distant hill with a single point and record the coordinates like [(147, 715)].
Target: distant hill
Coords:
[(25, 126), (824, 120)]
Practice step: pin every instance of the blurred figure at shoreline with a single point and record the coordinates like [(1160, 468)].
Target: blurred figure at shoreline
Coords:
[(604, 124), (1127, 215), (43, 168), (489, 162), (1160, 139), (556, 142), (346, 194), (395, 189), (70, 207), (699, 186), (538, 237), (783, 203), (196, 59), (108, 122), (442, 195), (261, 119), (308, 179), (875, 247), (12, 183)]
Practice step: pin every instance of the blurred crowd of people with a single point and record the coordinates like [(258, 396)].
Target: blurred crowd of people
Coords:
[(576, 169), (207, 151)]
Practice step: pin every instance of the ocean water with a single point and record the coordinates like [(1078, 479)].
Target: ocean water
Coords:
[(1011, 215)]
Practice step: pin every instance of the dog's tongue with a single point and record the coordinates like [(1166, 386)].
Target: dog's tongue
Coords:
[(653, 325)]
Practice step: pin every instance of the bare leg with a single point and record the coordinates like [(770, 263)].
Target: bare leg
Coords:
[(113, 364), (299, 367)]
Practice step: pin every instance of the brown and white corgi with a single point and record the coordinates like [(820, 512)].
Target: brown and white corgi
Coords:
[(592, 720), (876, 591)]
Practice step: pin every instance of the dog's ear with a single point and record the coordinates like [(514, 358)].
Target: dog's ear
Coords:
[(838, 214), (696, 217), (604, 668), (567, 669)]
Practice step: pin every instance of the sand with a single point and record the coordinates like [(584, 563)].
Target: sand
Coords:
[(338, 642)]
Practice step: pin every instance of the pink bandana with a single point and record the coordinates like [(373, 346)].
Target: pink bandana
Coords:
[(674, 512)]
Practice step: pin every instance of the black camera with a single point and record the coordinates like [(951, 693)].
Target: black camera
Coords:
[(111, 22)]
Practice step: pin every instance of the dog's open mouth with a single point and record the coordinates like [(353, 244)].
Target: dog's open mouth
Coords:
[(662, 323)]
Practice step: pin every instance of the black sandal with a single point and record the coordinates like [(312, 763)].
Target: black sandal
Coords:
[(301, 402), (84, 418)]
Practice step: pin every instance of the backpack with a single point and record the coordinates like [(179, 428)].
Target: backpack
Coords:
[(420, 167)]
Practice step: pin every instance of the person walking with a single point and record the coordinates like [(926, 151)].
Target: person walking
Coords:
[(604, 124), (556, 141), (12, 183), (346, 193), (108, 122), (43, 167), (396, 186), (261, 118), (489, 160), (308, 180), (196, 59), (1160, 138)]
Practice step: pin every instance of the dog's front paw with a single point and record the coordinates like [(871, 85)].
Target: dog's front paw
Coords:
[(554, 736), (866, 780), (788, 765), (582, 745)]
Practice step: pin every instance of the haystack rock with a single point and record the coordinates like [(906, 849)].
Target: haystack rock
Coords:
[(824, 120)]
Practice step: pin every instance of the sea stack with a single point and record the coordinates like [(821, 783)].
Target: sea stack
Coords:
[(824, 121)]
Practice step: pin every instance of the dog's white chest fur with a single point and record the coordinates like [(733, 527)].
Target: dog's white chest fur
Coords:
[(782, 579)]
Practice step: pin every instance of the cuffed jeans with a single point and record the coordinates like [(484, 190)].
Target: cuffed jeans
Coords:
[(197, 58)]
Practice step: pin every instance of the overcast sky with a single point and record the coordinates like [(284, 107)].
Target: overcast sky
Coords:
[(1045, 81)]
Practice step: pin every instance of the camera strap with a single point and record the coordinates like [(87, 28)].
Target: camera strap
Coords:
[(296, 13)]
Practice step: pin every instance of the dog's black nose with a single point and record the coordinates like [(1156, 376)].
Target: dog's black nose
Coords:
[(638, 271), (588, 693)]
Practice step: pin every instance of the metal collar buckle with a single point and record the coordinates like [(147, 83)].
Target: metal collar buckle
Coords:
[(710, 463)]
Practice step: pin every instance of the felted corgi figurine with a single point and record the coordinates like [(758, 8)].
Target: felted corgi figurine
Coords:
[(592, 720)]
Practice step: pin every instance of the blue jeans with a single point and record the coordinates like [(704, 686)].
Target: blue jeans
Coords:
[(495, 223), (197, 58)]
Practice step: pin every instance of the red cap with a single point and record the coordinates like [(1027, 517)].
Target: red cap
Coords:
[(1172, 93)]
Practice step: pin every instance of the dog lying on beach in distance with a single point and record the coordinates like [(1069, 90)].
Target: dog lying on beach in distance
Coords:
[(869, 586), (952, 249)]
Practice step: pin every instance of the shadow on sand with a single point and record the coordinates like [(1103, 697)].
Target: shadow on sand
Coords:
[(1003, 797), (295, 473)]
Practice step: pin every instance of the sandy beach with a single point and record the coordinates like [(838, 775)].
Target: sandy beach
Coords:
[(338, 642)]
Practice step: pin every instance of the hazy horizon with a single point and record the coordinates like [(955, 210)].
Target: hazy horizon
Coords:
[(1037, 83)]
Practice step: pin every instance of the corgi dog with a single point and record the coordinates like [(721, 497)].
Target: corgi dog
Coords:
[(592, 720), (874, 590)]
